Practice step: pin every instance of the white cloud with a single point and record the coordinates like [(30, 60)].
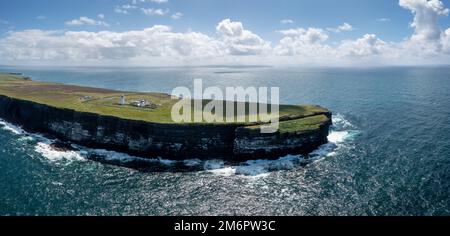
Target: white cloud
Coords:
[(72, 46), (368, 45), (446, 41), (159, 1), (426, 15), (309, 36), (309, 46), (342, 28), (177, 16), (135, 2), (124, 9), (302, 42), (345, 27), (119, 10), (287, 21), (158, 44), (428, 42), (384, 19), (232, 43), (239, 41), (101, 16), (83, 20), (155, 12), (41, 17)]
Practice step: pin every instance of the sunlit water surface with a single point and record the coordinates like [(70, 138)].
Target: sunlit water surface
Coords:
[(389, 151)]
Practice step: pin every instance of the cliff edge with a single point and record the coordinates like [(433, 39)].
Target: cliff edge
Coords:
[(100, 118)]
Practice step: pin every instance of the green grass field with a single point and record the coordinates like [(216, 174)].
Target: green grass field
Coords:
[(107, 102)]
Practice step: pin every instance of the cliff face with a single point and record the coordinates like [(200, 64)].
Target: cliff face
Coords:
[(145, 139), (249, 143)]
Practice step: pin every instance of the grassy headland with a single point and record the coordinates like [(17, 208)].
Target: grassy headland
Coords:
[(107, 102)]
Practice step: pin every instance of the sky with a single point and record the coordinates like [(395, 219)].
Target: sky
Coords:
[(200, 32)]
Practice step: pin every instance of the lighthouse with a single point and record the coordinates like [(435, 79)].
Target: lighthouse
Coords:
[(122, 100)]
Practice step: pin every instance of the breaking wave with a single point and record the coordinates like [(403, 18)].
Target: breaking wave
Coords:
[(11, 128), (46, 150), (341, 133)]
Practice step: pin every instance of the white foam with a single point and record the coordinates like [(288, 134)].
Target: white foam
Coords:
[(43, 146), (323, 150), (342, 132), (11, 128), (57, 183), (254, 169), (48, 152), (213, 164), (340, 121), (122, 157), (26, 138), (217, 167), (227, 171), (338, 136), (192, 162), (261, 168), (251, 170), (114, 156)]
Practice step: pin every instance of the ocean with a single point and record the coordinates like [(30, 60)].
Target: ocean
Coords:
[(389, 151)]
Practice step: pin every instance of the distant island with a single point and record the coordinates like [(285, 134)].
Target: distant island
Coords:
[(141, 124)]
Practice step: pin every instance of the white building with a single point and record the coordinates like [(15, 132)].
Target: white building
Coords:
[(140, 103)]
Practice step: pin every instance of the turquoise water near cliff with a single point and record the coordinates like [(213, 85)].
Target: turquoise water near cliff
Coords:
[(389, 151)]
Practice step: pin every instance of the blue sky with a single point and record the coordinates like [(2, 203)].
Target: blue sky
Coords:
[(262, 17), (386, 19)]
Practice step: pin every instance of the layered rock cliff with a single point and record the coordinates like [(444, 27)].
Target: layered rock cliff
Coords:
[(173, 141)]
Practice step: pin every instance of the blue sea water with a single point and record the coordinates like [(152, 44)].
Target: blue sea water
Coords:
[(389, 151)]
